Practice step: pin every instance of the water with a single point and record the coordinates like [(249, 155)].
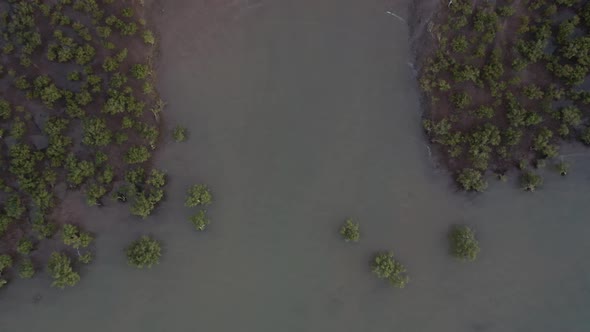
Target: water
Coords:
[(301, 114)]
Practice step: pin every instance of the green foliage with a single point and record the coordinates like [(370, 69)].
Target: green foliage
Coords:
[(460, 44), (135, 176), (94, 194), (140, 71), (5, 109), (179, 134), (107, 175), (110, 64), (530, 181), (24, 246), (137, 154), (84, 54), (85, 258), (26, 270), (14, 207), (506, 11), (464, 245), (484, 112), (470, 179), (144, 252), (79, 171), (60, 268), (148, 37), (494, 69), (585, 137), (18, 129), (350, 231), (44, 229), (200, 220), (571, 116), (566, 29), (466, 73), (74, 237), (5, 262), (563, 168), (157, 178), (5, 222), (533, 92), (541, 143), (74, 76), (461, 100), (96, 132), (198, 195), (144, 203), (385, 267)]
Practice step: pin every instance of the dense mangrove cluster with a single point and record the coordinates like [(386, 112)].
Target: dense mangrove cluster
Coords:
[(506, 85), (78, 110)]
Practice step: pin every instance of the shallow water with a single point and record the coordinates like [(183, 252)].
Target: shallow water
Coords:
[(302, 113)]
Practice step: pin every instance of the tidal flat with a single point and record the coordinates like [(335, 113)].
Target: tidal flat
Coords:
[(302, 114)]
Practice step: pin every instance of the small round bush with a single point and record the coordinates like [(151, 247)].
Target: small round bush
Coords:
[(350, 231), (200, 220), (529, 181), (471, 180), (385, 267), (26, 270), (179, 134), (464, 245), (144, 252), (198, 195), (24, 246)]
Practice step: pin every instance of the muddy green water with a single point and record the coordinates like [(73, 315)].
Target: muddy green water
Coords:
[(302, 113)]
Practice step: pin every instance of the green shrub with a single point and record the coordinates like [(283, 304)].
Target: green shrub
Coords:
[(5, 109), (157, 178), (148, 37), (85, 258), (179, 134), (506, 11), (144, 252), (571, 116), (350, 231), (385, 267), (461, 100), (585, 137), (470, 179), (137, 154), (74, 237), (5, 262), (464, 245), (198, 195), (530, 181), (563, 168), (145, 202), (135, 176), (110, 64), (460, 44), (60, 268), (14, 207), (26, 270), (96, 132), (94, 194), (24, 246), (200, 220), (140, 71), (79, 171), (484, 112)]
